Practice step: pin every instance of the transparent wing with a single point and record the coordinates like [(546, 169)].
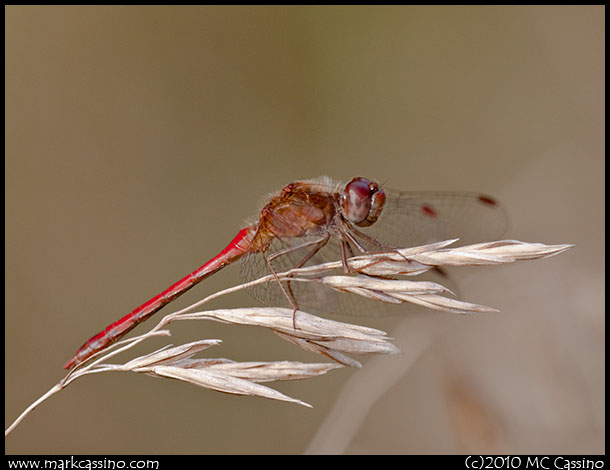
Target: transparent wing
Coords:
[(408, 219), (415, 218), (312, 297)]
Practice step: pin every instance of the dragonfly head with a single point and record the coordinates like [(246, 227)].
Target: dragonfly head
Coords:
[(362, 201)]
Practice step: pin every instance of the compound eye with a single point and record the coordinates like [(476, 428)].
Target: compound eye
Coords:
[(362, 201)]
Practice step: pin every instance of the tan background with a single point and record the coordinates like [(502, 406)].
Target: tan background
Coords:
[(140, 138)]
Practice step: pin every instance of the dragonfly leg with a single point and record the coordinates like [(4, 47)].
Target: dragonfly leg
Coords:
[(364, 236), (350, 238), (300, 264), (318, 244), (317, 241), (346, 237), (289, 296), (344, 247)]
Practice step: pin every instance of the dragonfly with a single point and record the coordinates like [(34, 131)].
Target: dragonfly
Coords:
[(313, 221)]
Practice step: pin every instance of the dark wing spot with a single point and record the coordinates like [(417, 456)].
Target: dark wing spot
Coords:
[(429, 211), (487, 200)]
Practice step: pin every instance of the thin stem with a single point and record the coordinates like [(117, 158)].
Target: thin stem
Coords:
[(129, 343), (166, 320), (56, 388), (423, 258)]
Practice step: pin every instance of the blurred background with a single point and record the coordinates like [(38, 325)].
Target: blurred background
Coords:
[(138, 140)]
